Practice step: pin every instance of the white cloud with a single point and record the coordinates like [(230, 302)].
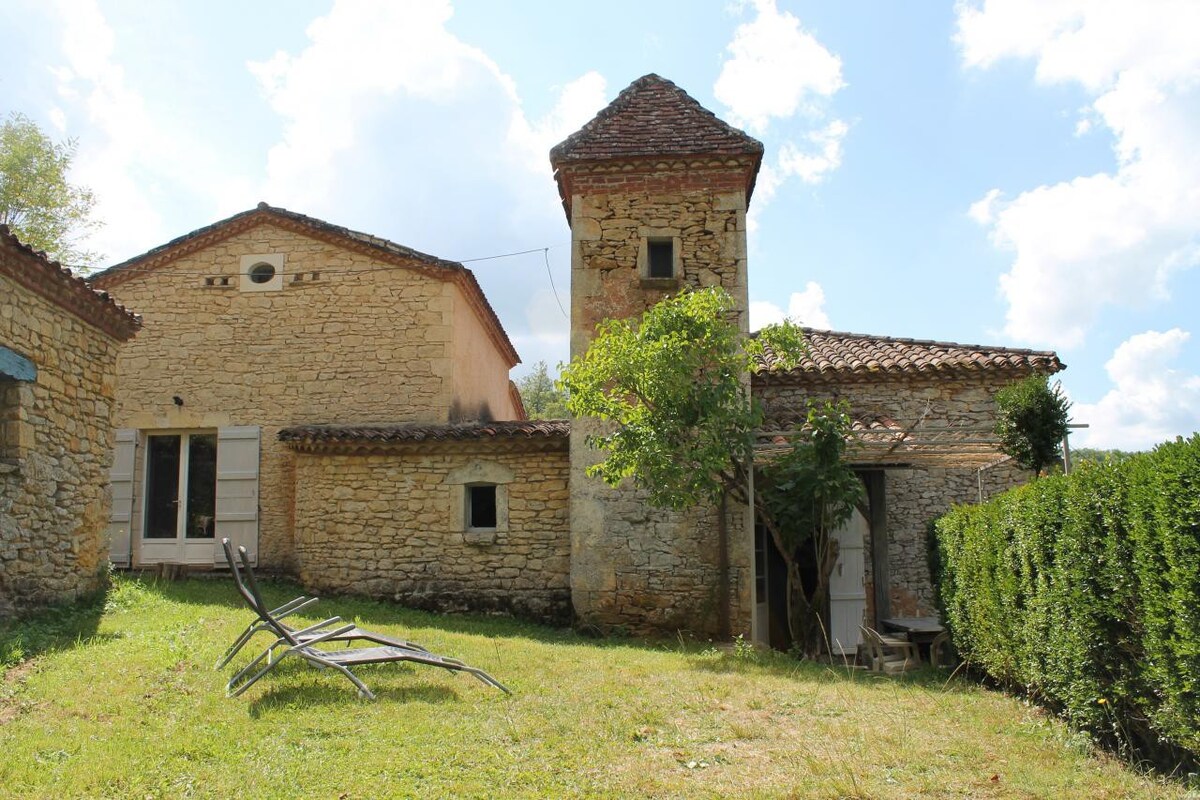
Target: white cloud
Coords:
[(362, 55), (1110, 239), (825, 156), (133, 156), (93, 79), (807, 308), (578, 101), (776, 69), (394, 125), (1150, 402)]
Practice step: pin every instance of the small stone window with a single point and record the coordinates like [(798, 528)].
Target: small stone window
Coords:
[(658, 258), (481, 506), (262, 272), (479, 501)]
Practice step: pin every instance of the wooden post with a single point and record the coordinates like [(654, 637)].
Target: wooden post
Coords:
[(724, 628), (876, 498)]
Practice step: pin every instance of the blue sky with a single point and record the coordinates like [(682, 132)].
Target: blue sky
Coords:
[(1021, 172)]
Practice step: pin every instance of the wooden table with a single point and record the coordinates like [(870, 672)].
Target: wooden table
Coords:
[(921, 630), (919, 626)]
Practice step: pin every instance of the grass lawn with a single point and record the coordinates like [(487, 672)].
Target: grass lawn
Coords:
[(121, 700)]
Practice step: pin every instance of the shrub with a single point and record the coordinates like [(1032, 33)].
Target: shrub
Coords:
[(1083, 591)]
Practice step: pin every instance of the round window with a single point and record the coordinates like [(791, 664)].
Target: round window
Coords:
[(261, 273)]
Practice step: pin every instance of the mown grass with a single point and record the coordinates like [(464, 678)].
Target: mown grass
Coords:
[(119, 699)]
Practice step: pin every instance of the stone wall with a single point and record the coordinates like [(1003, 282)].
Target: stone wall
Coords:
[(917, 494), (634, 567), (390, 524), (56, 451), (347, 339)]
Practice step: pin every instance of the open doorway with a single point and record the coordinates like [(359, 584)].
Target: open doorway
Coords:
[(847, 587)]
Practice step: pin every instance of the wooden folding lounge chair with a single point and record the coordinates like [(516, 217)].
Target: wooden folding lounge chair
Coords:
[(286, 610), (941, 651), (301, 644), (889, 654)]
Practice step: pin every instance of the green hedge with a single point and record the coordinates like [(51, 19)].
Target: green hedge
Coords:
[(1084, 592)]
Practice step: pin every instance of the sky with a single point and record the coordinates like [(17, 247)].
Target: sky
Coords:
[(1006, 172)]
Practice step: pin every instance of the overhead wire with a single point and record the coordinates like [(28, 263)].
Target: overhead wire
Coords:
[(132, 270)]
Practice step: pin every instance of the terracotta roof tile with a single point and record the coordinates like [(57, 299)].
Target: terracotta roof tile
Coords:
[(426, 432), (653, 117), (33, 270), (839, 355)]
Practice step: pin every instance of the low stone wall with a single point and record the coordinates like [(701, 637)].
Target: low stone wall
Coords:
[(390, 524)]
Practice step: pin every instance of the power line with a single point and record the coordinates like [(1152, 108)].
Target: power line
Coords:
[(553, 288), (335, 271)]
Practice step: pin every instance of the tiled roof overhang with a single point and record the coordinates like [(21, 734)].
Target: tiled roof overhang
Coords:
[(364, 243), (509, 434), (859, 357), (31, 269)]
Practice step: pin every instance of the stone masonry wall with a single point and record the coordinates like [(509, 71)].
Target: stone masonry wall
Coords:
[(913, 496), (344, 341), (386, 525), (56, 429), (634, 567)]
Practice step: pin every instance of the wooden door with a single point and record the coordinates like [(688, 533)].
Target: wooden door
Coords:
[(847, 589)]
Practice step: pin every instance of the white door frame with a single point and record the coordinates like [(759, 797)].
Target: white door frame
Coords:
[(180, 549)]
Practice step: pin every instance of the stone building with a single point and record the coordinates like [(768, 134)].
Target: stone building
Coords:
[(340, 404), (655, 189), (266, 320), (923, 415), (58, 350)]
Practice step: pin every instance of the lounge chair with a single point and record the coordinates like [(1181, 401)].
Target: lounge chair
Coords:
[(941, 651), (889, 654), (301, 643), (288, 609)]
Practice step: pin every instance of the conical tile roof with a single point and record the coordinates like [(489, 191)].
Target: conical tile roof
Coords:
[(653, 117)]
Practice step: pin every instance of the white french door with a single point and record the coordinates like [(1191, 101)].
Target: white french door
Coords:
[(179, 524)]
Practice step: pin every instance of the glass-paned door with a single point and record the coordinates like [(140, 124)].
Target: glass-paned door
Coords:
[(181, 498)]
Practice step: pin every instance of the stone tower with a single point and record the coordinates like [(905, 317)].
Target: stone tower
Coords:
[(655, 190)]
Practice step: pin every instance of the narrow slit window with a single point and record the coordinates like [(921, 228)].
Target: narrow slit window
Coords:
[(661, 256), (481, 506)]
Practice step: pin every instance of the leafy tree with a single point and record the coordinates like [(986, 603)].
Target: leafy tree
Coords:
[(1032, 422), (1100, 455), (542, 399), (675, 386), (803, 497), (37, 201)]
